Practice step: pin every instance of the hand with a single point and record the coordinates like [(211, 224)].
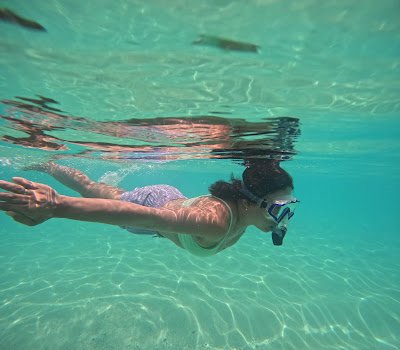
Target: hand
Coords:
[(43, 167), (29, 203)]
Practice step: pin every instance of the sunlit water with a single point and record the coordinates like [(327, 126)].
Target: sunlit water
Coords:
[(334, 284)]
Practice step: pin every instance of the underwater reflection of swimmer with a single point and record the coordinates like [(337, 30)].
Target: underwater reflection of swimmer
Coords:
[(36, 138), (160, 138), (204, 225)]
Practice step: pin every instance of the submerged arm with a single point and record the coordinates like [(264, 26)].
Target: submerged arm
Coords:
[(32, 203), (115, 212), (78, 181)]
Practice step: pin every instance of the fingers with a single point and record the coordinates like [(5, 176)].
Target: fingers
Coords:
[(25, 183), (21, 218), (19, 185), (13, 198), (12, 187), (9, 206)]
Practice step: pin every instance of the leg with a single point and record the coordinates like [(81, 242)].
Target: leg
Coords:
[(79, 182)]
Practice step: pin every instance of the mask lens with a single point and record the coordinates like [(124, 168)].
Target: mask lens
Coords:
[(279, 210)]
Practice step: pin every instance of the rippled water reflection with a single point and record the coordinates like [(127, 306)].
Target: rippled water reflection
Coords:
[(170, 138)]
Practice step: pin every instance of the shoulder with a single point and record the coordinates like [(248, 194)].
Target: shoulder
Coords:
[(204, 216), (206, 203), (213, 207)]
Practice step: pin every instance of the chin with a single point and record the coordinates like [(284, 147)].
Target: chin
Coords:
[(265, 228)]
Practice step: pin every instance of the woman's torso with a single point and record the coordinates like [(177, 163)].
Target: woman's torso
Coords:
[(213, 209), (228, 212)]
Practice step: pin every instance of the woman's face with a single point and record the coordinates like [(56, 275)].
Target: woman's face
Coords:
[(260, 216)]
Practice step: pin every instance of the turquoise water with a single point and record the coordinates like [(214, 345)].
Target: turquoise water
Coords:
[(334, 284)]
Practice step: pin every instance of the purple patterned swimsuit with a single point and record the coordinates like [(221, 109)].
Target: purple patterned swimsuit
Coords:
[(155, 196)]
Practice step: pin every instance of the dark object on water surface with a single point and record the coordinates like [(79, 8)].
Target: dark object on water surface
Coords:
[(7, 15), (225, 44)]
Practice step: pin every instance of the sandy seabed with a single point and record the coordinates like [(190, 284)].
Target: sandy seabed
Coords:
[(98, 287)]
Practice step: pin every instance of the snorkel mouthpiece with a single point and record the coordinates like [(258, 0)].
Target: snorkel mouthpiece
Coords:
[(278, 234)]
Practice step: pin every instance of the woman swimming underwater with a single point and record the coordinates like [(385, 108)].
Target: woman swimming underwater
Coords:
[(204, 225)]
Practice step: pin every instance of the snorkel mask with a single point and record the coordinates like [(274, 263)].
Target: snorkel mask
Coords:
[(281, 212)]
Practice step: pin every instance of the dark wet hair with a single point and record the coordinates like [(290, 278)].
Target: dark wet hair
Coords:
[(260, 177)]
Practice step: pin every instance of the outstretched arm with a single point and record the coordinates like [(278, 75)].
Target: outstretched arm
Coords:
[(32, 203), (78, 181)]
